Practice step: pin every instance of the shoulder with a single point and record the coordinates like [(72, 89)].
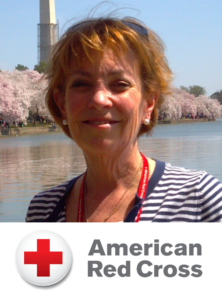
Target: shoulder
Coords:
[(184, 195), (45, 203), (172, 178), (182, 178), (211, 199), (200, 181), (207, 192)]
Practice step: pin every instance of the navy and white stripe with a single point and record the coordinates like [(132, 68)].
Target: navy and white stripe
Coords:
[(174, 195), (44, 204), (184, 196)]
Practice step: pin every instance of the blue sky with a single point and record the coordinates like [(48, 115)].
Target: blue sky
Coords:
[(190, 29)]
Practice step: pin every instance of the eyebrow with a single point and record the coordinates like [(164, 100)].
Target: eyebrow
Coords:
[(88, 74), (84, 73)]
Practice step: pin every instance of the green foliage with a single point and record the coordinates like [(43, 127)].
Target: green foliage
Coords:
[(21, 67), (218, 96), (41, 67), (195, 90), (184, 88)]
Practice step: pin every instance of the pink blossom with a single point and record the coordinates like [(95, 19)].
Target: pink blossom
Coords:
[(21, 91), (182, 103)]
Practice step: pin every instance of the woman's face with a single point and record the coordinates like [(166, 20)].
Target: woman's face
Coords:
[(103, 102)]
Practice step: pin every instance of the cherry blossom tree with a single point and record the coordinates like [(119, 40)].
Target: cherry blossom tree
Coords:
[(20, 92), (210, 108), (201, 104), (216, 109), (14, 102), (171, 108), (6, 98), (186, 101), (37, 85), (181, 103)]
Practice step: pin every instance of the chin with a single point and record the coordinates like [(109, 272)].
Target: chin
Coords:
[(101, 147), (101, 144)]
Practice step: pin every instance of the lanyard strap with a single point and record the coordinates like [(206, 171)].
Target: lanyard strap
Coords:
[(81, 201), (143, 184), (141, 192)]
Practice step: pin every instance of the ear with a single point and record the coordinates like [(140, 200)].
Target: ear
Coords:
[(149, 105), (59, 99)]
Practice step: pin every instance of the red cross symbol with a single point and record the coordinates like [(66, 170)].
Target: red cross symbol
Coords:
[(43, 258)]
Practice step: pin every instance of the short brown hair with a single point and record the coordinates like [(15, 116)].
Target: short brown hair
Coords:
[(95, 33)]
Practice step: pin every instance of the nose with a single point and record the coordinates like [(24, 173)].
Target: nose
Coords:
[(100, 99)]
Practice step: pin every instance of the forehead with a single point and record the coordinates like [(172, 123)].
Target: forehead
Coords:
[(107, 61)]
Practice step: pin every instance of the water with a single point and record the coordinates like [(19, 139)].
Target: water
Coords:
[(30, 164)]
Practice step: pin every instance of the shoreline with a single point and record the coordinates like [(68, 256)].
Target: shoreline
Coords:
[(185, 121), (28, 131), (48, 129)]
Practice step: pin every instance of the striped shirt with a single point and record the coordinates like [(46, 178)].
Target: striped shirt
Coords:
[(174, 194)]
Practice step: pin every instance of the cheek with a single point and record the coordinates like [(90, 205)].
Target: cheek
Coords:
[(131, 104), (73, 106), (134, 114)]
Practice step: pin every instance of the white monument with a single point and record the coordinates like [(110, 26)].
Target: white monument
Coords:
[(47, 29)]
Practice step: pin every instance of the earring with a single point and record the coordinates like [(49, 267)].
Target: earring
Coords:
[(64, 122), (146, 122)]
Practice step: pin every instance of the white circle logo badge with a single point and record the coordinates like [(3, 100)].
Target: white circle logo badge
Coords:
[(43, 258)]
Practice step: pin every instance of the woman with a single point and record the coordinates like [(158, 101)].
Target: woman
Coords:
[(107, 79)]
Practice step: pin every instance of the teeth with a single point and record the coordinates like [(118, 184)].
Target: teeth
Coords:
[(100, 122)]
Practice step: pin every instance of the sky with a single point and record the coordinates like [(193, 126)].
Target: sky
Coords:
[(190, 29)]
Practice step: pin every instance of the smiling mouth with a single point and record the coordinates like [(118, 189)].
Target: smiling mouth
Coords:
[(101, 124), (92, 122)]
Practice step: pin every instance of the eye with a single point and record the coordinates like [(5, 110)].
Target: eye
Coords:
[(120, 85), (80, 84)]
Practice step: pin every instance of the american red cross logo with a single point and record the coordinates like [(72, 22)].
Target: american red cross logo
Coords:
[(43, 258)]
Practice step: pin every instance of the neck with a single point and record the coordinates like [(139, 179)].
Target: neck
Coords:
[(108, 172), (110, 185)]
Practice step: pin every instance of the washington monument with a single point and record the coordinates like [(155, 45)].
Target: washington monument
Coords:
[(47, 29)]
